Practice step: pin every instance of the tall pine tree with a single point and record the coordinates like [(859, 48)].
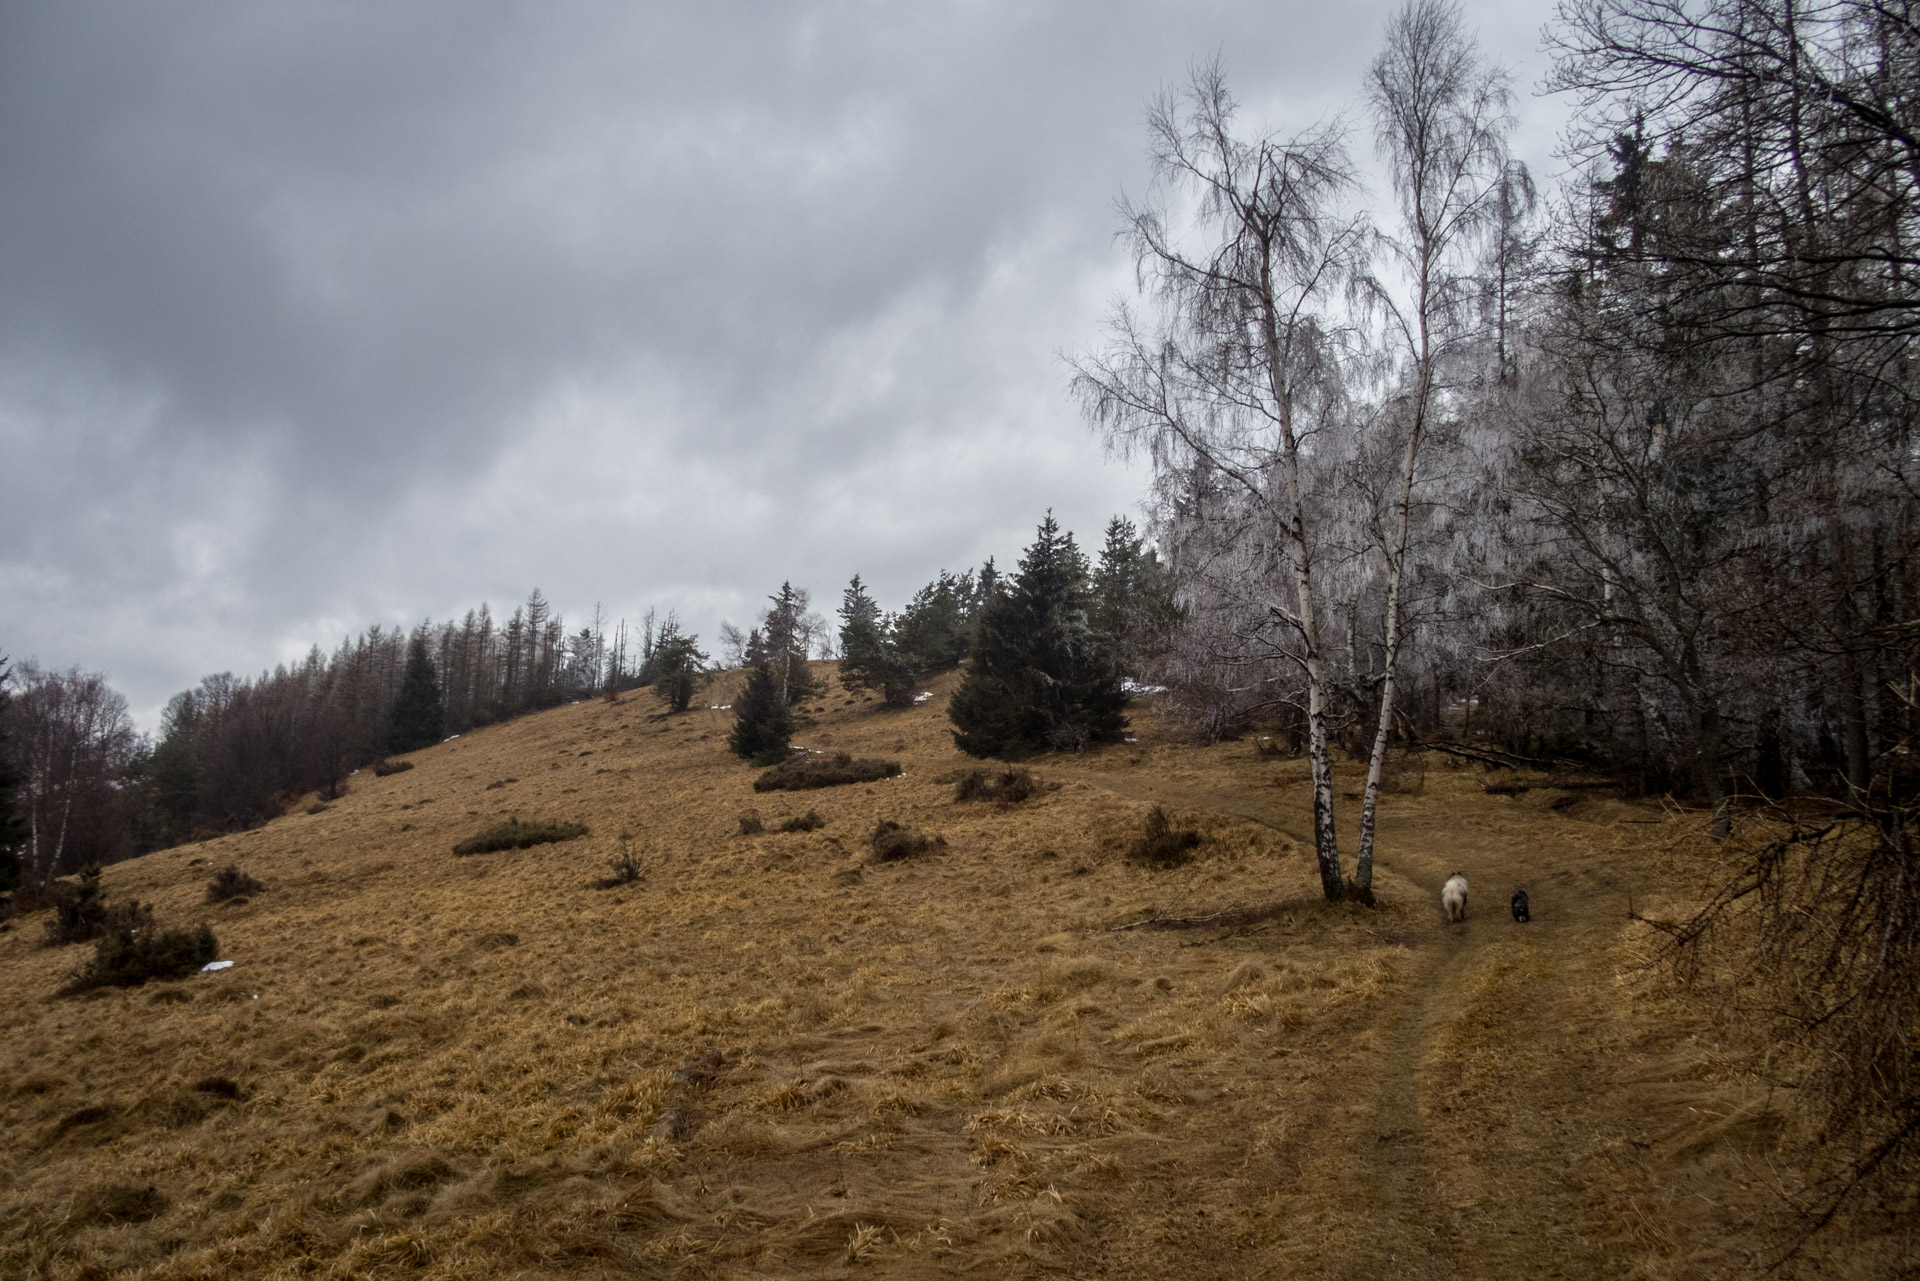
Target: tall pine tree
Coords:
[(419, 719), (1041, 677)]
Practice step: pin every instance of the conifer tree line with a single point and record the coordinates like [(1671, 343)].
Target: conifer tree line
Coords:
[(1044, 647)]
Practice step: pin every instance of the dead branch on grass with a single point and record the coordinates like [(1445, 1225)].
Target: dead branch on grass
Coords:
[(1813, 936), (1492, 757)]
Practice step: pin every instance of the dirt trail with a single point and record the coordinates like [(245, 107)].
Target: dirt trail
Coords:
[(1493, 1050)]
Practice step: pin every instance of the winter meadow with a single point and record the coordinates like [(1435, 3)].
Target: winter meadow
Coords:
[(1462, 824)]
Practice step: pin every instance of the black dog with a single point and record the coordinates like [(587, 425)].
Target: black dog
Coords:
[(1520, 907)]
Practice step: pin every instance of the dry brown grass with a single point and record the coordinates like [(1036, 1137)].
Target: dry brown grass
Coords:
[(472, 1067)]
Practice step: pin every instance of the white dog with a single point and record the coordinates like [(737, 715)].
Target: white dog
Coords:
[(1453, 897)]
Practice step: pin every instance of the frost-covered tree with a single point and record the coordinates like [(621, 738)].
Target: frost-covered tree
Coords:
[(1441, 119), (1231, 379), (788, 630)]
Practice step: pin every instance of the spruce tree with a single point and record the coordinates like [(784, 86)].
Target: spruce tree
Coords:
[(762, 719), (871, 656), (679, 666), (1041, 677), (934, 627), (419, 719), (1133, 604), (172, 778)]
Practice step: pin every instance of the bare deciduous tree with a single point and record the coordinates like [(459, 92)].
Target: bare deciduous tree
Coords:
[(1235, 376), (73, 742), (1442, 116)]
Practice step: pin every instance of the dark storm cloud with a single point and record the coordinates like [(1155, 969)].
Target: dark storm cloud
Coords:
[(315, 315)]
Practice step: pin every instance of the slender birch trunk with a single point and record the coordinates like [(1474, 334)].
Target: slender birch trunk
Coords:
[(1326, 835), (1389, 682)]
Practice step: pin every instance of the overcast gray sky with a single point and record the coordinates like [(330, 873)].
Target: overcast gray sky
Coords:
[(315, 315)]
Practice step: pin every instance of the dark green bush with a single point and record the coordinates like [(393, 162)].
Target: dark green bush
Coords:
[(891, 841), (1161, 844), (133, 949), (1008, 786), (231, 882), (79, 909), (802, 772), (515, 835), (382, 769), (808, 822)]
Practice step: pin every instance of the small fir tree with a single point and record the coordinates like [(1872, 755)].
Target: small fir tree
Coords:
[(419, 719), (934, 628), (679, 668), (762, 719), (871, 656), (1133, 604), (1041, 677)]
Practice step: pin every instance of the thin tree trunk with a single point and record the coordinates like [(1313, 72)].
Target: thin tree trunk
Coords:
[(1396, 573), (1326, 836), (1710, 736), (1396, 576)]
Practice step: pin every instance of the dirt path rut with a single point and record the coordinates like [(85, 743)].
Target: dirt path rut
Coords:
[(1468, 1125)]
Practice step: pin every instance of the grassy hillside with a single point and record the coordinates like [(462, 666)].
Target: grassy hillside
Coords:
[(777, 1056)]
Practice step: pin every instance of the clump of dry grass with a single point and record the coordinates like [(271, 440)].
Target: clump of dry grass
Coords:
[(751, 824), (1161, 844), (230, 883), (891, 840), (113, 1203), (808, 822), (515, 835), (1009, 786), (804, 772)]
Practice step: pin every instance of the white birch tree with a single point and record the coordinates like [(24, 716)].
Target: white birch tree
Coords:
[(1234, 370), (1441, 117)]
